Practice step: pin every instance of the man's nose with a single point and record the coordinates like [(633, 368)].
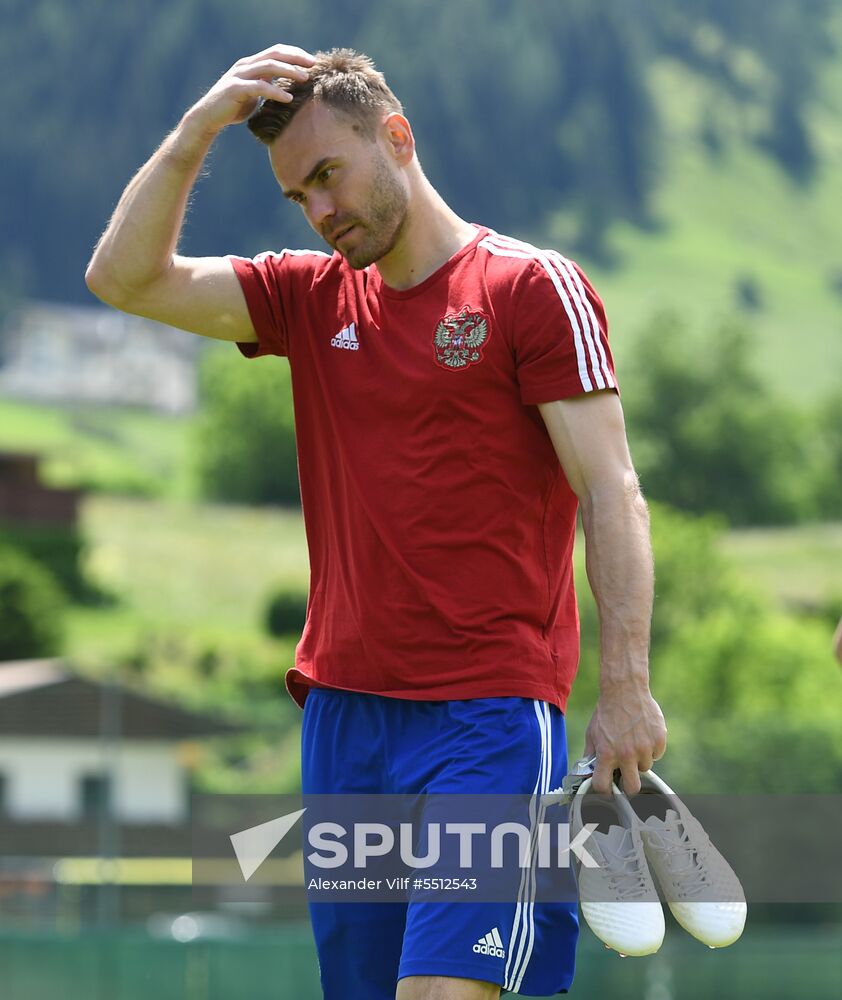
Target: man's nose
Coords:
[(321, 210)]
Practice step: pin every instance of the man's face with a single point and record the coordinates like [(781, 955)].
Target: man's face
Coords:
[(351, 191)]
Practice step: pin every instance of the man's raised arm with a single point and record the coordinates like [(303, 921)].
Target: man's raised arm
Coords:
[(135, 266)]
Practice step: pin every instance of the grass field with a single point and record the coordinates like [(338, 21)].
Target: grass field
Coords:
[(194, 563), (116, 449), (191, 584), (183, 570), (799, 566), (208, 568)]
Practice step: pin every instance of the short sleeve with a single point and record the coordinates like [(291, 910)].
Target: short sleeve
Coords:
[(274, 286), (560, 333)]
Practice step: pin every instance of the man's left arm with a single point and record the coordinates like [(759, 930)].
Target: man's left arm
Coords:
[(627, 729)]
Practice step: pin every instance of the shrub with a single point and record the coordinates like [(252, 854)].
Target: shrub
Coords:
[(751, 694), (286, 612), (708, 436), (59, 550), (246, 437), (693, 580), (827, 435), (31, 608), (753, 703)]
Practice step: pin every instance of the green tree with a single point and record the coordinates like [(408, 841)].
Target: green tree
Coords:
[(522, 109), (245, 441), (31, 608), (572, 122), (708, 435), (693, 580), (750, 693), (752, 700), (827, 435)]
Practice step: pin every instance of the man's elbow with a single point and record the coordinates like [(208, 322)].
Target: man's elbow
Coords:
[(101, 281), (105, 288)]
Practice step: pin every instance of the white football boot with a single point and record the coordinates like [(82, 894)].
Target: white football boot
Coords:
[(618, 898), (698, 884)]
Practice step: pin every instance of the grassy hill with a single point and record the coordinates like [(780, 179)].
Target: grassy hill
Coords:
[(207, 569), (800, 567), (103, 448), (734, 215)]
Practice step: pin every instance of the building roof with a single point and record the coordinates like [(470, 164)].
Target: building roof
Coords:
[(47, 698)]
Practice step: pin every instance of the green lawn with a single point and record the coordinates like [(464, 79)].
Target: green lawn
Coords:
[(117, 449), (195, 568), (207, 569), (191, 583), (799, 566)]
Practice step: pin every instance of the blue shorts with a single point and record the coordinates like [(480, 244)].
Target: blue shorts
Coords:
[(367, 744)]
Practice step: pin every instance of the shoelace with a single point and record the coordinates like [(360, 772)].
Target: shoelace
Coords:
[(629, 882), (683, 861)]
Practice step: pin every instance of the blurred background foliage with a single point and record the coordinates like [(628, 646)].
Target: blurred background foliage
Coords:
[(688, 153), (245, 438), (750, 694), (31, 607), (523, 110)]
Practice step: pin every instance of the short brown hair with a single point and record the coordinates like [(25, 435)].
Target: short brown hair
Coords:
[(343, 79)]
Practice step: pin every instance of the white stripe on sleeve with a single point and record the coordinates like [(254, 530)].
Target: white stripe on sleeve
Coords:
[(581, 358)]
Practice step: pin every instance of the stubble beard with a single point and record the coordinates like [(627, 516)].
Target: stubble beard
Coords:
[(384, 219)]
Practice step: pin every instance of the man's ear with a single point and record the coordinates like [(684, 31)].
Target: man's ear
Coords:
[(399, 136)]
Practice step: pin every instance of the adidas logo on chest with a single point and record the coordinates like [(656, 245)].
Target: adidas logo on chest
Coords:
[(346, 339)]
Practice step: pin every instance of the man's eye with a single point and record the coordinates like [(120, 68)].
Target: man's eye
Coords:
[(324, 176)]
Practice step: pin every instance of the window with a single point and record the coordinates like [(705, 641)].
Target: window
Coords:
[(94, 795)]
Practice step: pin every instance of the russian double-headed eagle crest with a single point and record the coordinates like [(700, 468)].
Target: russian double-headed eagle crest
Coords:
[(459, 339)]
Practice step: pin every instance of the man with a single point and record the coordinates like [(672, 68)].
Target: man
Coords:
[(455, 401)]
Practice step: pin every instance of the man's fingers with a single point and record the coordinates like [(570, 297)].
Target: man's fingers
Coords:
[(603, 776), (256, 89), (271, 69), (660, 747), (261, 88), (631, 776), (282, 53)]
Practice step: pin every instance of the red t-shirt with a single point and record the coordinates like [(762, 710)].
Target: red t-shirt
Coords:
[(439, 522)]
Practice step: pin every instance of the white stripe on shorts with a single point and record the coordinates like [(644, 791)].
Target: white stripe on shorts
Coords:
[(522, 938)]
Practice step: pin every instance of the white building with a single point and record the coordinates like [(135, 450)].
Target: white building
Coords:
[(73, 750), (92, 354)]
